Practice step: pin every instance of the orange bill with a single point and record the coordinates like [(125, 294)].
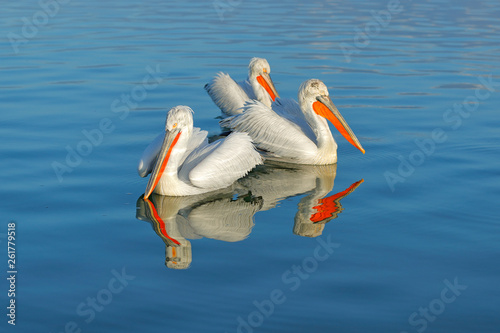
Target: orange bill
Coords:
[(324, 107), (171, 138), (267, 83)]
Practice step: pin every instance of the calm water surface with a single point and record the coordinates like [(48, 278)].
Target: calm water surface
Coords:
[(406, 237)]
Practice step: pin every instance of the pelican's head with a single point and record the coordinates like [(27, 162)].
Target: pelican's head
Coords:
[(311, 89), (260, 79), (314, 97), (179, 118), (178, 129), (258, 66)]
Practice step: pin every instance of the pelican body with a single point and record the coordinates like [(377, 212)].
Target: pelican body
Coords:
[(295, 132), (182, 162), (231, 96)]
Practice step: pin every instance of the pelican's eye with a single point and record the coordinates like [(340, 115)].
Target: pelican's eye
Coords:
[(174, 125), (265, 70)]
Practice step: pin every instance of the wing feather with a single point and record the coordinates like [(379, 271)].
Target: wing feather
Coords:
[(195, 158), (224, 161), (197, 140), (247, 88), (271, 132), (290, 109), (228, 95)]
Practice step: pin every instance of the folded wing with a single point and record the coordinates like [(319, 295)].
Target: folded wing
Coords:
[(222, 162), (272, 133)]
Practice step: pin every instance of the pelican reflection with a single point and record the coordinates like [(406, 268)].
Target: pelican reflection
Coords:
[(216, 215), (277, 181), (228, 214)]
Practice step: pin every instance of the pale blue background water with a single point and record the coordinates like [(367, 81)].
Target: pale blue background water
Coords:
[(396, 247)]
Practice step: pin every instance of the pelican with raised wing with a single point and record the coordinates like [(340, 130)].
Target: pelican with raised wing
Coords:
[(295, 132), (231, 96), (182, 162)]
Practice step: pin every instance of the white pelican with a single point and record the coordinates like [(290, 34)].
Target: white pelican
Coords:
[(230, 96), (295, 133), (182, 162)]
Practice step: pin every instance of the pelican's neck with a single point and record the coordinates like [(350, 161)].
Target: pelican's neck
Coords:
[(327, 147), (319, 125), (260, 93)]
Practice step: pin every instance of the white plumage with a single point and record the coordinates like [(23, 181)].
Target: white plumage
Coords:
[(231, 96), (295, 132), (182, 162), (276, 136)]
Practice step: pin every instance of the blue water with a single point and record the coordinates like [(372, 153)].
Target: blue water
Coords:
[(414, 247)]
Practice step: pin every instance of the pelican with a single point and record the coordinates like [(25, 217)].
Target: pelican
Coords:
[(182, 162), (295, 132), (230, 96)]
